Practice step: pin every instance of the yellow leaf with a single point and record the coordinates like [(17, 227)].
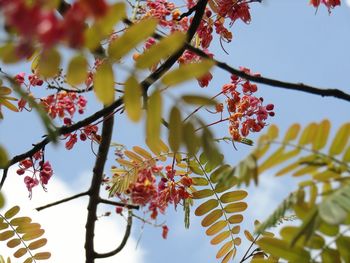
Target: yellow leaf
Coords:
[(104, 83), (8, 104), (237, 241), (104, 26), (220, 237), (187, 72), (126, 163), (198, 100), (20, 220), (229, 255), (42, 255), (3, 161), (224, 249), (321, 135), (37, 244), (235, 229), (292, 133), (20, 252), (249, 236), (133, 156), (13, 242), (6, 235), (153, 121), (212, 217), (202, 193), (206, 207), (8, 53), (131, 38), (77, 70), (280, 248), (200, 181), (235, 219), (164, 48), (23, 228), (132, 99), (175, 129), (33, 234), (5, 91), (340, 140), (216, 228), (142, 152), (272, 132), (308, 134), (12, 212), (236, 207), (233, 196), (49, 63)]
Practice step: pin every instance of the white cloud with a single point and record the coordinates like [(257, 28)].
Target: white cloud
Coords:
[(65, 224), (348, 3)]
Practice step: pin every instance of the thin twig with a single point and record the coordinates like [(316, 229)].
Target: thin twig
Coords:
[(62, 201)]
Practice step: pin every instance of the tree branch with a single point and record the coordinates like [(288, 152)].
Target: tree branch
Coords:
[(108, 202), (124, 240), (62, 201), (94, 191)]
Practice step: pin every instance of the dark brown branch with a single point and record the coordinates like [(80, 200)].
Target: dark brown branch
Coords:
[(124, 240), (94, 191), (273, 82), (109, 202), (62, 201)]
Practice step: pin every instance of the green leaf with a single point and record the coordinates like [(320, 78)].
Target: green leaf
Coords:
[(49, 63), (187, 72), (336, 206), (77, 70), (3, 158), (280, 248), (190, 138), (104, 83), (164, 48), (2, 200), (330, 255), (340, 140), (198, 100), (132, 99), (154, 117), (175, 129), (131, 38), (343, 245)]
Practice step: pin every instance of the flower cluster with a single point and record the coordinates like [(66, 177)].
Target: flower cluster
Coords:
[(247, 112), (64, 104), (156, 193), (38, 21), (330, 4), (41, 171)]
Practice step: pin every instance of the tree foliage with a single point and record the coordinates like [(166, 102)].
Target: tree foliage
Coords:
[(114, 46)]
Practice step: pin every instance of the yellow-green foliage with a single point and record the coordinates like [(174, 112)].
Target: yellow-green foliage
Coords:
[(321, 202), (23, 236)]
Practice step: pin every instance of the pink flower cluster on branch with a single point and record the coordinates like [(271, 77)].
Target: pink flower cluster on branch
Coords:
[(41, 171)]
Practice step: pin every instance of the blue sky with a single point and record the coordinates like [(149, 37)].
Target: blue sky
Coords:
[(286, 40)]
